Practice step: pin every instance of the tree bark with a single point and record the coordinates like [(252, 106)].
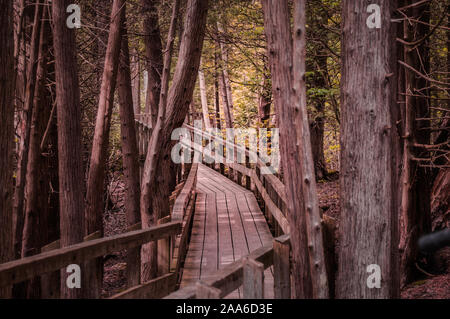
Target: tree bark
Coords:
[(96, 175), (178, 101), (287, 62), (151, 210), (130, 153), (7, 80), (71, 175), (416, 185), (35, 227), (154, 55), (226, 76), (369, 219), (18, 208), (204, 98), (136, 78)]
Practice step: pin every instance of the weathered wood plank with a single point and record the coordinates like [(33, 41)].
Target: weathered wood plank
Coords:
[(281, 265), (210, 249), (274, 210), (26, 268), (253, 279), (154, 289), (204, 291)]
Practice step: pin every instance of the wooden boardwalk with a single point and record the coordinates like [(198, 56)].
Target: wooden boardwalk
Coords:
[(228, 225)]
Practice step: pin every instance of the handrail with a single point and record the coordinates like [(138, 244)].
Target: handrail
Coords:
[(183, 211), (26, 268), (260, 182), (234, 275)]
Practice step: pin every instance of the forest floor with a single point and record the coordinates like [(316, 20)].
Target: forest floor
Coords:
[(429, 287)]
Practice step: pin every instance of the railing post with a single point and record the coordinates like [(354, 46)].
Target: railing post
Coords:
[(253, 279), (281, 268), (222, 165), (164, 250), (239, 174), (248, 181), (205, 291)]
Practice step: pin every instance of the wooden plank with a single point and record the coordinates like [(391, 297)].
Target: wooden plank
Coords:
[(186, 293), (281, 265), (50, 283), (253, 279), (164, 250), (210, 249), (179, 207), (253, 239), (154, 289), (183, 239), (274, 210), (240, 239), (230, 277), (29, 267), (260, 221), (225, 242), (191, 269), (204, 291)]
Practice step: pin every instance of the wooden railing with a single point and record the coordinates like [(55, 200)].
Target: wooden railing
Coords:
[(27, 268), (247, 272), (172, 249), (171, 234), (268, 188)]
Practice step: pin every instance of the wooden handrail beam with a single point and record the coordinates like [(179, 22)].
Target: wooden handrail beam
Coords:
[(26, 268)]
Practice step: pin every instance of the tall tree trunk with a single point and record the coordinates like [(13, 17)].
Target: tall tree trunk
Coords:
[(18, 208), (154, 207), (71, 175), (154, 55), (416, 185), (7, 85), (35, 227), (130, 153), (264, 100), (287, 62), (226, 76), (317, 22), (136, 80), (178, 101), (216, 92), (204, 98), (369, 218), (96, 175)]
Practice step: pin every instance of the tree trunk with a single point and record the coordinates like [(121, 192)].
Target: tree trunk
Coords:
[(18, 208), (153, 203), (178, 101), (71, 175), (154, 54), (317, 22), (309, 189), (130, 153), (368, 227), (136, 78), (35, 228), (7, 80), (226, 76), (225, 104), (287, 62), (204, 98), (264, 100), (416, 185), (96, 175), (216, 92)]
